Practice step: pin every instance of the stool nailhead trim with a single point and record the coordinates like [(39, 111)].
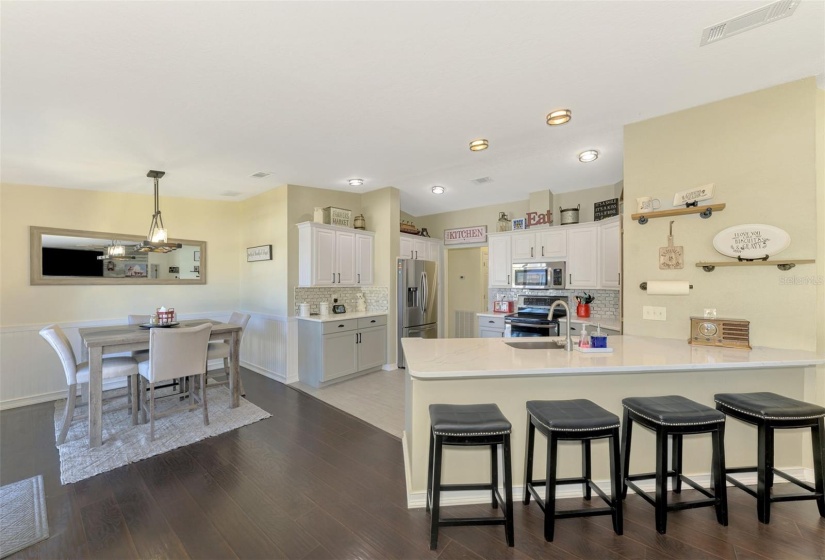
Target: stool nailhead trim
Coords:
[(766, 417), (575, 429), (721, 420), (471, 434)]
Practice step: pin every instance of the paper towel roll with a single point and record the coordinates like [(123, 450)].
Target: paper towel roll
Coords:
[(668, 287)]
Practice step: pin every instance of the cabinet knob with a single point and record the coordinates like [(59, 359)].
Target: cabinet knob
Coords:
[(491, 321), (372, 321)]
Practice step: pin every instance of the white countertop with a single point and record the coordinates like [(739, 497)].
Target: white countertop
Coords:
[(492, 314), (342, 316), (453, 358)]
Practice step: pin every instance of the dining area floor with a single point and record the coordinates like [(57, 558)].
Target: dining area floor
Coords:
[(312, 481)]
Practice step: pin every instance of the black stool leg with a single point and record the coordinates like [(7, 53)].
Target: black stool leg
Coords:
[(508, 492), (718, 474), (494, 474), (763, 465), (430, 471), (817, 436), (586, 468), (661, 480), (550, 488), (436, 493), (616, 484), (627, 430), (676, 462), (528, 461)]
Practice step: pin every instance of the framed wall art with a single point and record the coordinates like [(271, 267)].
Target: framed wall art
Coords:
[(259, 253)]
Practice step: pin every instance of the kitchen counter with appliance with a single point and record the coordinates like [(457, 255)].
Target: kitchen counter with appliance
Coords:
[(342, 316), (480, 370)]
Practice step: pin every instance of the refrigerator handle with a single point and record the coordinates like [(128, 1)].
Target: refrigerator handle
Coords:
[(424, 294)]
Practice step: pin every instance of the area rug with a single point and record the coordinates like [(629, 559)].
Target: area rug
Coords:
[(23, 519), (124, 443)]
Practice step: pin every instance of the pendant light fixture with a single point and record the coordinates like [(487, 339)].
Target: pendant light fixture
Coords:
[(156, 241)]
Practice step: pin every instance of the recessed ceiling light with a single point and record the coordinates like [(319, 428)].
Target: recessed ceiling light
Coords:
[(559, 117), (261, 174), (588, 156), (356, 182), (438, 190), (478, 145)]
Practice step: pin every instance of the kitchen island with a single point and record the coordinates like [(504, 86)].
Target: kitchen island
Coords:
[(465, 371)]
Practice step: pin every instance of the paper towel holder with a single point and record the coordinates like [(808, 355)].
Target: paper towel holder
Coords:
[(643, 286)]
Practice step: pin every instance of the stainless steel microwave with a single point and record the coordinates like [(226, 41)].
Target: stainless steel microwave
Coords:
[(539, 276)]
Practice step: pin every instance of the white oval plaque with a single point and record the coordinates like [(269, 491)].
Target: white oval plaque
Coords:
[(751, 241)]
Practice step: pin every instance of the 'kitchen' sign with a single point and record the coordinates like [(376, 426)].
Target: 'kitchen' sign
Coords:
[(473, 234)]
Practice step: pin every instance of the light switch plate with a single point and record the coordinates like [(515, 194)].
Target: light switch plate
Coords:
[(710, 313), (654, 313)]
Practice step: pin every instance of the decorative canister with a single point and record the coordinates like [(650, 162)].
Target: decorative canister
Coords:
[(303, 309), (359, 222), (569, 215), (323, 307), (318, 215)]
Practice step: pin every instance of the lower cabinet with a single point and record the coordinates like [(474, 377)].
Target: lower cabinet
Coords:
[(333, 349), (490, 326)]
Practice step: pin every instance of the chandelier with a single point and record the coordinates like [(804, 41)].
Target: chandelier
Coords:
[(157, 241)]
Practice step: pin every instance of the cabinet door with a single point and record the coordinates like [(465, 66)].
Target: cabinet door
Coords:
[(340, 355), (582, 257), (406, 251), (363, 259), (551, 243), (610, 256), (524, 246), (420, 250), (490, 333), (345, 258), (372, 347), (323, 257), (433, 251), (500, 263)]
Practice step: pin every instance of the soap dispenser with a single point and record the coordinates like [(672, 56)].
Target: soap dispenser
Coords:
[(584, 339)]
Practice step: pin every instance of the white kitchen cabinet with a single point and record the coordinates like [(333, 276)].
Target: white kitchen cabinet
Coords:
[(582, 257), (540, 245), (490, 326), (333, 255), (330, 350), (610, 249), (434, 251), (500, 263), (419, 248)]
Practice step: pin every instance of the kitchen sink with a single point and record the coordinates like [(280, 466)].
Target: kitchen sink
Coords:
[(536, 344)]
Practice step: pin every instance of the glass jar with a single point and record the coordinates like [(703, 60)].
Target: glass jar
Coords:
[(503, 222)]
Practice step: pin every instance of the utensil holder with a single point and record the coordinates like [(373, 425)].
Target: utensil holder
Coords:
[(583, 310)]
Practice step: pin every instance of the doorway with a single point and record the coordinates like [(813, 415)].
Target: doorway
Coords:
[(466, 290)]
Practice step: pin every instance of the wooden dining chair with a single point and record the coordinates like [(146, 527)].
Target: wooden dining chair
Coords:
[(221, 350), (173, 353), (139, 355), (78, 373)]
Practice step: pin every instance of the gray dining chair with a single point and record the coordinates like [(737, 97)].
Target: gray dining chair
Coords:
[(139, 355), (174, 353), (221, 350), (78, 373)]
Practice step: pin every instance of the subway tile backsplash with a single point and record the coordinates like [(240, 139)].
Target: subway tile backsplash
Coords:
[(605, 304), (377, 297)]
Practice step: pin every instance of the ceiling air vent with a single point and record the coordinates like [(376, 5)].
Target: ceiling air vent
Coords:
[(482, 180), (748, 21), (260, 174), (231, 193)]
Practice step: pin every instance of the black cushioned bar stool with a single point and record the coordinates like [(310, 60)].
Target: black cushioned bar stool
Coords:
[(582, 420), (769, 412), (468, 425), (675, 416)]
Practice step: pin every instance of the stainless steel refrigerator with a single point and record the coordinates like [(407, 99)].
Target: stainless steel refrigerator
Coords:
[(417, 302)]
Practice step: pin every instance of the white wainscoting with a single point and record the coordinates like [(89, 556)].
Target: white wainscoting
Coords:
[(30, 371)]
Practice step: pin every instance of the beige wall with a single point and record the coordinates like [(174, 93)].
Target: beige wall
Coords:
[(484, 215), (21, 206), (464, 283), (818, 388), (586, 198), (763, 167)]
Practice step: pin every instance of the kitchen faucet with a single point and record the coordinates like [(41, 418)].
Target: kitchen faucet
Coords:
[(569, 345)]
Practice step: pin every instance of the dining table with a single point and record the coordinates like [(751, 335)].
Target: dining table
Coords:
[(99, 341)]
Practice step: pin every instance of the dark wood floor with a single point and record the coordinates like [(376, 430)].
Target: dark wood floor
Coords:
[(313, 482)]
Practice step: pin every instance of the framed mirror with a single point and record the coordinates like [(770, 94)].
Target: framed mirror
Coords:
[(76, 257)]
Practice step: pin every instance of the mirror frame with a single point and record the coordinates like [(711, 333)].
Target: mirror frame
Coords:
[(36, 277)]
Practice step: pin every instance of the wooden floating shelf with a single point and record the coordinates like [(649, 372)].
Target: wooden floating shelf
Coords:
[(704, 211), (781, 265)]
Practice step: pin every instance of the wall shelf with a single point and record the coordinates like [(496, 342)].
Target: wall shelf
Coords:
[(703, 211), (781, 265)]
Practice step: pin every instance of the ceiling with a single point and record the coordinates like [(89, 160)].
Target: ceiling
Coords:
[(94, 94)]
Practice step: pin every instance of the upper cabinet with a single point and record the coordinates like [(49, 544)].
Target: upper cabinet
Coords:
[(332, 256), (610, 255), (538, 246), (582, 257), (500, 263), (419, 248)]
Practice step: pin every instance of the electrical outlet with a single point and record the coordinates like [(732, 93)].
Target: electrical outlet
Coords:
[(710, 313), (334, 298), (654, 313)]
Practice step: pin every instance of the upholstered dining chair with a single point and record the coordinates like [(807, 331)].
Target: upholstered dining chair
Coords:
[(78, 373), (221, 350), (174, 353), (139, 355)]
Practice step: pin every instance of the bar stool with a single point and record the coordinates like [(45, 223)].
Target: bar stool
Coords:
[(769, 412), (675, 416), (469, 425), (580, 420)]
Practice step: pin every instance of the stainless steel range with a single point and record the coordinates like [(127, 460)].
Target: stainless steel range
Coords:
[(531, 317)]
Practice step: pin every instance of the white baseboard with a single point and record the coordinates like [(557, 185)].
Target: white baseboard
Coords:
[(279, 377), (53, 396), (465, 497), (389, 367)]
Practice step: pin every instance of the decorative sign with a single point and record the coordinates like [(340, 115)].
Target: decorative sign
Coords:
[(751, 241), (704, 192), (259, 253), (519, 224), (605, 209), (536, 219), (473, 234)]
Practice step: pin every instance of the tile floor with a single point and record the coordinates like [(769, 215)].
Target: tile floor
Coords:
[(376, 398)]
